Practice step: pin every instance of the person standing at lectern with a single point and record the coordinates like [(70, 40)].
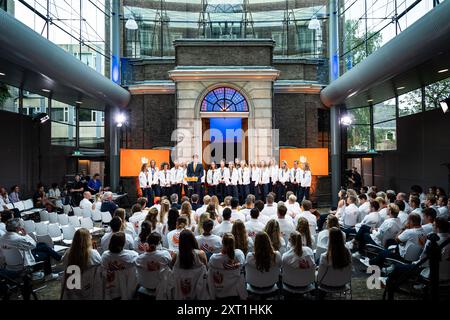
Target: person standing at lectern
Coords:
[(195, 172)]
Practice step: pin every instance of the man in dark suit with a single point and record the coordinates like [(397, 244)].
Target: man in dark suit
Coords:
[(195, 169)]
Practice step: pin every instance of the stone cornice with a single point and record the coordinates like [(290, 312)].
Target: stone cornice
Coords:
[(220, 74)]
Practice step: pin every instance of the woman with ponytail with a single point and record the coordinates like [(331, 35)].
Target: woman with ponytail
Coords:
[(298, 256)]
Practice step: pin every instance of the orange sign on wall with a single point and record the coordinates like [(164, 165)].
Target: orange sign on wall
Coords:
[(131, 160), (317, 158)]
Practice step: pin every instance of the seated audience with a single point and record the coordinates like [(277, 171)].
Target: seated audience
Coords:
[(54, 193), (16, 237), (270, 209), (364, 207), (14, 196), (402, 215), (442, 202), (298, 256), (94, 185), (241, 239), (272, 229), (306, 213), (118, 264), (253, 225), (195, 202), (235, 213), (350, 213), (82, 254), (208, 242), (174, 202), (304, 230), (86, 202), (226, 225), (323, 236), (173, 237), (141, 239), (429, 215), (285, 222), (126, 227), (108, 204), (116, 226)]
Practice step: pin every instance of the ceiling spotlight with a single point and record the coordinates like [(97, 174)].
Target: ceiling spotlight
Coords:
[(314, 24), (46, 90), (120, 119), (370, 100), (79, 102), (443, 70), (2, 74), (41, 117), (131, 24), (346, 120), (445, 104), (400, 88)]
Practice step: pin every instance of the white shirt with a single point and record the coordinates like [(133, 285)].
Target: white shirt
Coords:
[(211, 177), (383, 214), (312, 221), (305, 178), (293, 209), (372, 220), (269, 210), (409, 237), (137, 218), (245, 176), (403, 216), (104, 242), (283, 175), (322, 238), (164, 178), (253, 226), (54, 193), (153, 175), (419, 212), (265, 176), (209, 244), (237, 215), (427, 228), (296, 175), (388, 230), (443, 212), (144, 179), (173, 239), (234, 177), (364, 210), (200, 211), (153, 261), (274, 173), (13, 240), (118, 261), (256, 173), (222, 261), (223, 175), (350, 216), (286, 227), (306, 261), (85, 204), (176, 175), (224, 227)]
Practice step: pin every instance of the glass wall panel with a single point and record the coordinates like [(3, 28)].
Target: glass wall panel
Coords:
[(34, 104), (385, 135), (436, 92), (410, 103), (92, 128), (9, 98), (358, 138), (63, 118), (384, 111)]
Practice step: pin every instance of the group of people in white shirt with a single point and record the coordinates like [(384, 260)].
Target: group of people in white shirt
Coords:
[(218, 238), (237, 179)]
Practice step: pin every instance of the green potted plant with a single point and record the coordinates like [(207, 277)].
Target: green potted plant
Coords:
[(4, 93)]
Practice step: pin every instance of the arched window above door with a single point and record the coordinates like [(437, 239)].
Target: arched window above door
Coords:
[(224, 99)]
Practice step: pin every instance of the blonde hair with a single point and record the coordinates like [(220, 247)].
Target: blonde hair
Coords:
[(80, 250), (303, 229), (186, 211), (204, 217), (165, 207), (240, 236)]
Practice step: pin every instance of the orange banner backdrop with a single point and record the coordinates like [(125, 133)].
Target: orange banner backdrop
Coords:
[(316, 157), (131, 160)]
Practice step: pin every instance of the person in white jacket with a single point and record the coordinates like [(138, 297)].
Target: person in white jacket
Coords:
[(212, 179), (305, 182), (255, 177), (273, 173), (234, 181), (176, 179), (154, 179), (223, 178), (245, 175), (283, 181), (164, 180), (295, 179), (264, 181), (145, 183)]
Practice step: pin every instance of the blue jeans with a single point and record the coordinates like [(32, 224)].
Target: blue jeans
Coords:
[(43, 252)]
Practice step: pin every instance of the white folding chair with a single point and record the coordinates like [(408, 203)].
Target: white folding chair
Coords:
[(48, 240), (297, 280), (262, 283), (55, 232), (67, 208), (77, 211), (106, 217), (87, 223), (21, 207), (41, 228), (45, 217), (74, 221), (28, 204), (335, 280), (68, 233), (29, 226), (53, 217), (87, 213), (96, 216), (63, 219)]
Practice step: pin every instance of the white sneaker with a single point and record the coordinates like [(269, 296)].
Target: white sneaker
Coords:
[(365, 261), (51, 276), (419, 286), (37, 276)]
